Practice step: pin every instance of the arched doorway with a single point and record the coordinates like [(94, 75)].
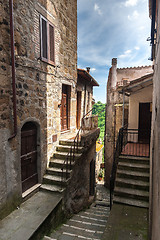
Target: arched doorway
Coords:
[(29, 173)]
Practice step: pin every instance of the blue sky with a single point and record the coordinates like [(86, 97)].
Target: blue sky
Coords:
[(108, 29)]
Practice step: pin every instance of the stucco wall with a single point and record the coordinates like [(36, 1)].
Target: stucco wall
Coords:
[(142, 96), (133, 73)]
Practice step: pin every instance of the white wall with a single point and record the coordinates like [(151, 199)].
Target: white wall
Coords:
[(142, 96)]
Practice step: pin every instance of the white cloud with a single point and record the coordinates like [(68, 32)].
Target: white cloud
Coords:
[(97, 9), (137, 48), (130, 3), (134, 16), (126, 54), (93, 69)]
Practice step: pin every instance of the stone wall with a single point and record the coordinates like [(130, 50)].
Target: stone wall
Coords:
[(155, 143), (77, 195), (86, 90), (38, 85)]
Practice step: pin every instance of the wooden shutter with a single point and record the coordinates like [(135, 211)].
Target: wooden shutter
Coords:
[(51, 43), (44, 48), (47, 41)]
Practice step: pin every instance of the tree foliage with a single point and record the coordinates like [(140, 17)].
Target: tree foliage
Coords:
[(99, 109)]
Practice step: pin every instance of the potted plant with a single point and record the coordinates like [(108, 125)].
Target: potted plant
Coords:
[(100, 175)]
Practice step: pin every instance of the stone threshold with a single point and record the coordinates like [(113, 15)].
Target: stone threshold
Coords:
[(26, 221), (29, 193)]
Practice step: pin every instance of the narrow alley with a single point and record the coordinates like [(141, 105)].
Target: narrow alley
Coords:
[(88, 224)]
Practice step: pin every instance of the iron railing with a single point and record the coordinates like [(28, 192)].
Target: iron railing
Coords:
[(87, 123), (117, 152), (130, 142)]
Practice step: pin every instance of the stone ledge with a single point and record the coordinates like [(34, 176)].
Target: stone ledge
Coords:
[(88, 138), (25, 221)]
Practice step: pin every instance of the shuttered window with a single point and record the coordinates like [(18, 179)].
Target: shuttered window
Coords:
[(47, 41)]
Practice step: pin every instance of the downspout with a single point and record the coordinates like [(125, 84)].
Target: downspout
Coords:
[(13, 69), (123, 108), (84, 106), (153, 27)]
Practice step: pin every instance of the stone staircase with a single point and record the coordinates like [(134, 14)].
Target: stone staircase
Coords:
[(132, 181), (53, 180), (89, 224)]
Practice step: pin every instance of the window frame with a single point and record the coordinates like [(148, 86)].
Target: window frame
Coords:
[(48, 23)]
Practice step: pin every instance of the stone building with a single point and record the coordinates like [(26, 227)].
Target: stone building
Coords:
[(154, 10), (38, 96), (116, 115), (85, 84)]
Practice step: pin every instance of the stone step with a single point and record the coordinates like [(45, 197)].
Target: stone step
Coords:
[(58, 172), (48, 238), (68, 142), (71, 230), (132, 175), (63, 155), (131, 193), (59, 163), (132, 183), (93, 215), (103, 204), (132, 159), (65, 148), (131, 202), (90, 219), (86, 225), (133, 166), (52, 188), (54, 180), (98, 212)]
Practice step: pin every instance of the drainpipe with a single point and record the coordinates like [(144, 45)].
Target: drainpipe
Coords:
[(13, 69), (123, 108), (84, 106)]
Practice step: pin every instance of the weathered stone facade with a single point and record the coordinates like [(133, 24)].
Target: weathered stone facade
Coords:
[(38, 85), (155, 132), (81, 188), (118, 77)]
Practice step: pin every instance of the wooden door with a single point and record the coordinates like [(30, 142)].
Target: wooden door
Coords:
[(78, 114), (29, 173), (64, 108), (144, 122)]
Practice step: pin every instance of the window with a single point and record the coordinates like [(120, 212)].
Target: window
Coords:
[(47, 41)]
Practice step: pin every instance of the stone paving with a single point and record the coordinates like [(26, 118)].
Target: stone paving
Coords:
[(89, 224)]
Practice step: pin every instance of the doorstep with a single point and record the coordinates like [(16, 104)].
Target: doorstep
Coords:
[(22, 223)]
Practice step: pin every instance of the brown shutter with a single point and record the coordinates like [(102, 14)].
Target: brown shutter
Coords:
[(44, 53), (51, 42)]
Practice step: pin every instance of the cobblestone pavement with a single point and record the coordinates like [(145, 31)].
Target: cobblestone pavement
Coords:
[(88, 224)]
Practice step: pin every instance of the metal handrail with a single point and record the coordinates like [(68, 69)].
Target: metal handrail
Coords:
[(117, 152), (70, 158)]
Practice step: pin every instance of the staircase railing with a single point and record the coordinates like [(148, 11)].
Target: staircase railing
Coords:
[(130, 142), (118, 150), (70, 158)]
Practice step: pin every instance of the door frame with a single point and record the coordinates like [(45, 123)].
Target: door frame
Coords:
[(144, 136), (68, 107), (39, 164), (78, 109)]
